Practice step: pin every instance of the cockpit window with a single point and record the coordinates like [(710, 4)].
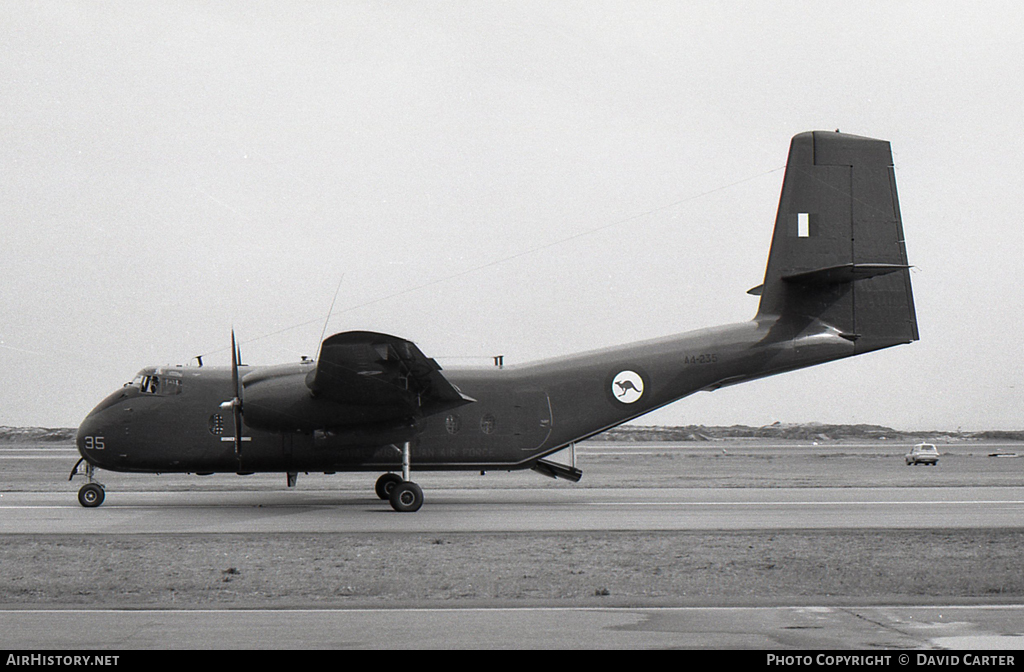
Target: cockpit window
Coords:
[(154, 384)]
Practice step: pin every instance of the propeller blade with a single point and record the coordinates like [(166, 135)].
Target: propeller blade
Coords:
[(236, 403), (238, 430), (234, 364)]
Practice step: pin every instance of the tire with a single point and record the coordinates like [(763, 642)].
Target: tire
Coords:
[(406, 497), (385, 484), (91, 495)]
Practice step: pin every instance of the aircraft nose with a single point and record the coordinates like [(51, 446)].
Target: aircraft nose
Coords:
[(95, 434), (88, 431)]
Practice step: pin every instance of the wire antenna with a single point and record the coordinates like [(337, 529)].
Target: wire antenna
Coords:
[(324, 331), (511, 257)]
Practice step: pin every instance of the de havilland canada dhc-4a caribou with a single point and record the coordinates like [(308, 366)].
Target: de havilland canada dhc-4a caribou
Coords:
[(837, 284)]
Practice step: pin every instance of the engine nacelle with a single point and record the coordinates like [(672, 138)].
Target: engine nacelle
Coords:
[(277, 399)]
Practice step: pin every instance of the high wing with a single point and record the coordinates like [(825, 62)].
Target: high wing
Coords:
[(366, 368)]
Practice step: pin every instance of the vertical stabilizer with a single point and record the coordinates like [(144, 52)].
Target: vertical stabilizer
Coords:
[(838, 254)]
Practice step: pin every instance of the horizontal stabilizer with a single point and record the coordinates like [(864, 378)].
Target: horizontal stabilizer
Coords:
[(834, 275)]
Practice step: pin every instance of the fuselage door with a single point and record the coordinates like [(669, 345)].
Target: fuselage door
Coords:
[(531, 423)]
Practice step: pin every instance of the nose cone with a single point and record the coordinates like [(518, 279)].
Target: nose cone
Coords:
[(87, 432), (97, 430), (92, 439)]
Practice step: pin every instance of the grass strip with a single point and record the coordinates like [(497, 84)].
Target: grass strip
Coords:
[(604, 568)]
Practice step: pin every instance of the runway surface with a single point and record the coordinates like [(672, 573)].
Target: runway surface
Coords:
[(518, 510), (881, 629), (727, 485), (627, 487)]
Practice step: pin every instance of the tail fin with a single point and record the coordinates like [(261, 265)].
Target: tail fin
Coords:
[(838, 253)]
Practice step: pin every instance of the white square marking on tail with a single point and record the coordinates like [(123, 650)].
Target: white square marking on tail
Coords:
[(803, 225)]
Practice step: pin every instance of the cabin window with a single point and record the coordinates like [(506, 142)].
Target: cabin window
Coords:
[(488, 423)]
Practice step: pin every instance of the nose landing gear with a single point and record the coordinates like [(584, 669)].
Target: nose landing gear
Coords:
[(92, 493)]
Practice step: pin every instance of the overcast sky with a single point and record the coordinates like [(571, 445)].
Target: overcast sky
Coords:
[(523, 178)]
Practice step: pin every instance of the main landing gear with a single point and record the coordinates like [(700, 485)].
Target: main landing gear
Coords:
[(92, 493), (404, 495), (385, 484)]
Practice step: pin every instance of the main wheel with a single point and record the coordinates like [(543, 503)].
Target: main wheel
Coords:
[(406, 496), (91, 495), (385, 483)]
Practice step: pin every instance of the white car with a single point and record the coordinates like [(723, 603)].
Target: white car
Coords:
[(922, 453)]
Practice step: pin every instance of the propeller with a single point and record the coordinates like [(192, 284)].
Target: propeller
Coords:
[(235, 404)]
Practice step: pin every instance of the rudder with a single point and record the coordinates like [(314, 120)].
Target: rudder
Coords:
[(838, 253)]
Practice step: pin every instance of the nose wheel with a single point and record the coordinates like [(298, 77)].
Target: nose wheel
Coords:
[(92, 493)]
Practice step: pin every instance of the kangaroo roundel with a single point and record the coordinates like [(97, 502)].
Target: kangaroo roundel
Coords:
[(627, 386)]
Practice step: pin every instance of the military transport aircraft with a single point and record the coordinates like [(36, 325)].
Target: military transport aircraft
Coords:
[(837, 284)]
